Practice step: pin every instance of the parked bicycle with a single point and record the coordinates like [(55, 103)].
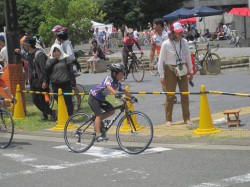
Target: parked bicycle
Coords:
[(237, 40), (79, 133), (6, 126), (208, 62), (136, 66), (77, 99)]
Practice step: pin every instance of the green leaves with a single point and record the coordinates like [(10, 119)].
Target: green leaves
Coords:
[(74, 14)]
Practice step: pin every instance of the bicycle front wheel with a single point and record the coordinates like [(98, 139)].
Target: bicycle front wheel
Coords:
[(6, 129), (154, 68), (134, 132), (212, 64), (79, 133), (138, 70)]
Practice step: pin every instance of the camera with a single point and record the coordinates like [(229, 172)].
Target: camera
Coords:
[(179, 64)]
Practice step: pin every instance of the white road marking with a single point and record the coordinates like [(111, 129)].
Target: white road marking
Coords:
[(104, 155), (108, 152), (241, 179)]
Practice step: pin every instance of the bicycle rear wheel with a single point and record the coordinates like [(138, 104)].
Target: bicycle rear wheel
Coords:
[(79, 133), (212, 64), (154, 68), (6, 129), (134, 132), (138, 70)]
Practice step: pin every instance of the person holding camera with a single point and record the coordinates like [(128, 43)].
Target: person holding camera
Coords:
[(174, 65)]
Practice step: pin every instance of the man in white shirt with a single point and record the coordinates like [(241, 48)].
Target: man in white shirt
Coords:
[(3, 52)]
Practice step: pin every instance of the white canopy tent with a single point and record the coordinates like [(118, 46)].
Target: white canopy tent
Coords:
[(102, 26)]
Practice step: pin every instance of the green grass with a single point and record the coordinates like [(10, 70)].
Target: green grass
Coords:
[(32, 122)]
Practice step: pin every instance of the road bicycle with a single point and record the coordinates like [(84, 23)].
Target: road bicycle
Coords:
[(237, 40), (77, 99), (80, 135), (208, 63), (6, 126), (136, 66)]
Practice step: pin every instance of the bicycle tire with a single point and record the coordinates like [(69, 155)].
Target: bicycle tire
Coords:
[(154, 68), (212, 64), (138, 70), (134, 141), (6, 129), (82, 90), (79, 133)]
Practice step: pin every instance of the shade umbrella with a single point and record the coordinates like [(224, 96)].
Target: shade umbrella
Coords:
[(244, 11), (190, 20), (240, 11), (201, 11), (176, 14)]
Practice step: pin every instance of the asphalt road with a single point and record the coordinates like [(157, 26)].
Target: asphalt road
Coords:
[(43, 161), (230, 80)]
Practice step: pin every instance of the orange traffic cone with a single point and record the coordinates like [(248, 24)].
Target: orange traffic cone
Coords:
[(18, 110), (126, 125), (205, 124)]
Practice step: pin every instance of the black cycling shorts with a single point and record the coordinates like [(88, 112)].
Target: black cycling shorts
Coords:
[(97, 106)]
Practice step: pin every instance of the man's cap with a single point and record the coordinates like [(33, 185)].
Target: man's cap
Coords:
[(56, 28), (2, 38), (1, 69), (176, 27), (30, 41)]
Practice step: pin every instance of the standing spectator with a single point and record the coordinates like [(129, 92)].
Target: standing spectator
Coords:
[(124, 30), (175, 57), (55, 30), (136, 35), (97, 35), (59, 70), (159, 36), (3, 52), (67, 47), (37, 62)]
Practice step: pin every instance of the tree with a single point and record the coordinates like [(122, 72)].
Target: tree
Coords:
[(136, 12), (29, 15), (74, 14)]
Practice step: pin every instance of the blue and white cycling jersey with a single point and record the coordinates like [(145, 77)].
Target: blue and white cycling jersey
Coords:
[(100, 91)]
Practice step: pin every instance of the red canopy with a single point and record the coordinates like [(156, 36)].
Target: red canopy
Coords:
[(240, 11), (190, 20)]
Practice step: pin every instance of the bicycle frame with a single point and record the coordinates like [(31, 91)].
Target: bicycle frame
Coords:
[(122, 108)]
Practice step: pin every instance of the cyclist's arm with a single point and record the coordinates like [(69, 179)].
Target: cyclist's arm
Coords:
[(127, 94), (138, 46), (111, 89)]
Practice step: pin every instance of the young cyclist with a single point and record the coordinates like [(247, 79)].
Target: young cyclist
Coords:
[(5, 88), (110, 85)]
